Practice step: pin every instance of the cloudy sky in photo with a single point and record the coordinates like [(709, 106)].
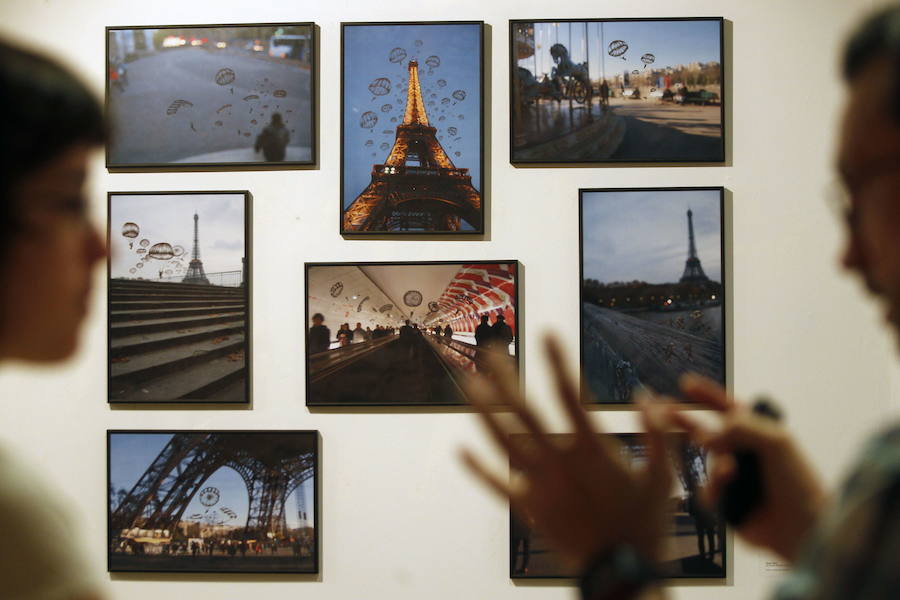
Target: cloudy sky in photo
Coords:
[(170, 218), (643, 235)]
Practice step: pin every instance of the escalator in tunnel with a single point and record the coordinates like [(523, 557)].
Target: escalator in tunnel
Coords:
[(396, 372)]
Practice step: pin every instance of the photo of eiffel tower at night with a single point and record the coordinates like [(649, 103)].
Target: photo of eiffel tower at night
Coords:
[(652, 289), (412, 128), (178, 297)]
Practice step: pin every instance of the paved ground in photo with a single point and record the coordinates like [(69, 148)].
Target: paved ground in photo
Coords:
[(668, 131), (283, 562), (145, 133)]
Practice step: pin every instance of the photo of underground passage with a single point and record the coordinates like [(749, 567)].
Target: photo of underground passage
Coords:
[(406, 333)]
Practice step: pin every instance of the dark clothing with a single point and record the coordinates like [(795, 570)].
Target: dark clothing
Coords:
[(407, 333), (852, 553), (273, 141), (501, 336), (448, 331), (319, 339), (482, 335)]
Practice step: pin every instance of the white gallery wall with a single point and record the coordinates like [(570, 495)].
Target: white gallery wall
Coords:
[(400, 518)]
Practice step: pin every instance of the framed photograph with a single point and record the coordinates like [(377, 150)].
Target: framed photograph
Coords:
[(406, 333), (652, 289), (694, 546), (412, 133), (213, 501), (179, 297), (219, 96), (617, 90)]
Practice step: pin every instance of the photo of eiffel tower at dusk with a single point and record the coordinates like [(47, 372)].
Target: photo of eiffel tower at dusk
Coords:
[(178, 297), (411, 148), (652, 289)]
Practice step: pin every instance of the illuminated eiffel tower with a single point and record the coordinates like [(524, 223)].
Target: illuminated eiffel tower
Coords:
[(429, 195), (195, 273), (693, 271)]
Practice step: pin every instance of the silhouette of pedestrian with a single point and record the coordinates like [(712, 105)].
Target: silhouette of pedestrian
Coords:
[(501, 335), (319, 335), (273, 139), (482, 343)]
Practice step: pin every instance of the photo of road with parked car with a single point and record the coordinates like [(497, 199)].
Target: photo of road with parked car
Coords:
[(210, 95), (647, 90)]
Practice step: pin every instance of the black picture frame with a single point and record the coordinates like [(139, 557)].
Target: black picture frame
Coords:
[(177, 329), (678, 561), (127, 521), (381, 365), (460, 177), (619, 367), (209, 119), (597, 136)]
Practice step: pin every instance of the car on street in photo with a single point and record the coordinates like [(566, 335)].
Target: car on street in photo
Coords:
[(701, 97)]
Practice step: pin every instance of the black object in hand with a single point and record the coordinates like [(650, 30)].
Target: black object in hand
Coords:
[(744, 494)]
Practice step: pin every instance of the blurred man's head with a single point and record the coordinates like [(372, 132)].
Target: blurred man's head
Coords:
[(318, 319), (869, 157), (49, 125)]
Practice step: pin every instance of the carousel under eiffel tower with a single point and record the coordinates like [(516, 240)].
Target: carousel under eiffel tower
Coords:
[(430, 195)]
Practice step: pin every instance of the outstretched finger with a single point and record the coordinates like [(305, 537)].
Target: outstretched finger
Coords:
[(696, 432), (481, 392), (657, 443), (705, 391), (493, 481), (567, 388), (504, 379)]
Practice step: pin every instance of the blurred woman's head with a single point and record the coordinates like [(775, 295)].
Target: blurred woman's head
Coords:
[(49, 125)]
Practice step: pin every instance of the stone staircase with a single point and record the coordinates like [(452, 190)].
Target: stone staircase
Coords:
[(176, 342)]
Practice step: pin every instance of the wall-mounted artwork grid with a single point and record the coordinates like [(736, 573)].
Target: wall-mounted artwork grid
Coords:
[(213, 501), (652, 289), (617, 90), (406, 334), (179, 297), (412, 156), (211, 95), (694, 540)]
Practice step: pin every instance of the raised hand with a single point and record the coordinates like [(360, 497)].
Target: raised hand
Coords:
[(581, 494), (792, 495)]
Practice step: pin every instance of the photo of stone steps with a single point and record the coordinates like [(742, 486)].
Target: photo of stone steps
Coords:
[(178, 328)]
